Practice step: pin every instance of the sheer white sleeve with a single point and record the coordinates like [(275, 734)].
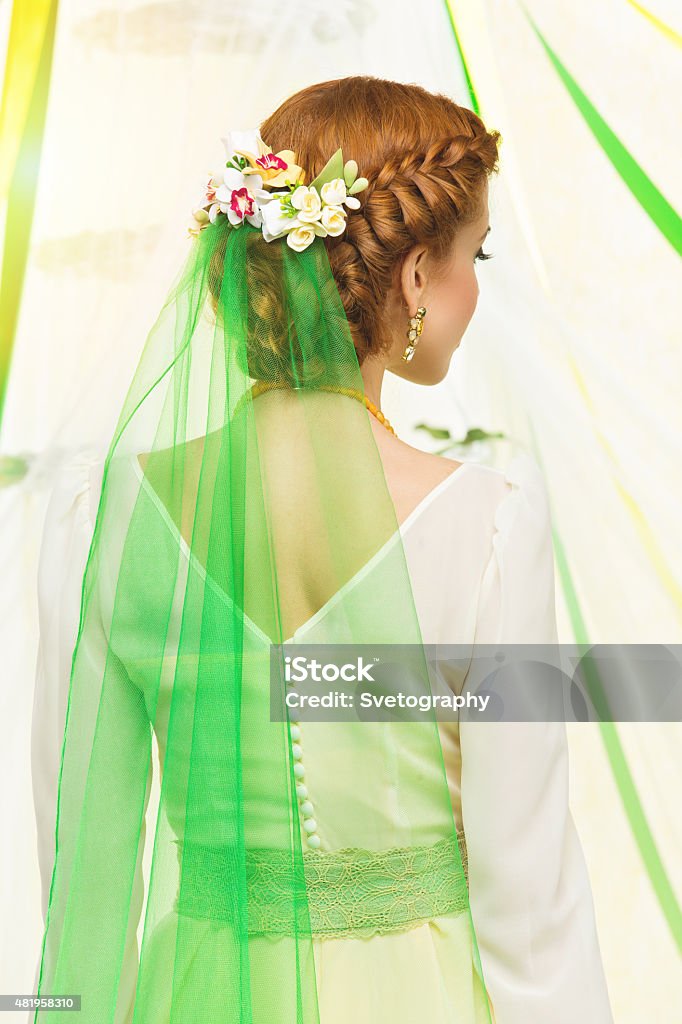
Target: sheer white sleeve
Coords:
[(530, 894), (67, 535)]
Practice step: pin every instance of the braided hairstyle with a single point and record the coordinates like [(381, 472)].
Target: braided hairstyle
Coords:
[(427, 160)]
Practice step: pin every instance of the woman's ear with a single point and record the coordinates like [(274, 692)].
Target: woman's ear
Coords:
[(413, 276)]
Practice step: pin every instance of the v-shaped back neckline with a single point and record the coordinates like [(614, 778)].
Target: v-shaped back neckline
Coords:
[(354, 580)]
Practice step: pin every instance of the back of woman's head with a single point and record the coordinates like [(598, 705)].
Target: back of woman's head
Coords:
[(427, 161)]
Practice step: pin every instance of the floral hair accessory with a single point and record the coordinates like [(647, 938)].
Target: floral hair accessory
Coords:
[(242, 191)]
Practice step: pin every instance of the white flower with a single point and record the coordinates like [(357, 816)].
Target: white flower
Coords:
[(248, 140), (235, 179), (333, 219), (239, 197), (334, 192), (275, 222), (300, 237), (308, 203)]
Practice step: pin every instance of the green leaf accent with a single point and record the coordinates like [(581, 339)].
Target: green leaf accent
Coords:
[(237, 163), (285, 205), (332, 169), (350, 172)]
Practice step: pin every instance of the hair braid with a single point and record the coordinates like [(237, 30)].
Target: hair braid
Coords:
[(426, 159), (411, 198)]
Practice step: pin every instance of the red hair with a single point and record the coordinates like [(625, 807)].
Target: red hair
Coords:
[(427, 160)]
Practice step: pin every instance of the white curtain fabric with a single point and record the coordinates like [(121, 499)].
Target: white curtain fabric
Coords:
[(572, 349)]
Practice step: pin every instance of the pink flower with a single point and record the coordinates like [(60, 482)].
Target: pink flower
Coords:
[(242, 203), (270, 161)]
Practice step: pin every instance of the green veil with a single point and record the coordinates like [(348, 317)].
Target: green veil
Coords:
[(227, 523)]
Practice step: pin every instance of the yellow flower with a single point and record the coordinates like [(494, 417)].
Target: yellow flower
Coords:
[(333, 219), (334, 192), (299, 238), (276, 169), (308, 203)]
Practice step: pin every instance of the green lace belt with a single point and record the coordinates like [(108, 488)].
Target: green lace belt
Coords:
[(347, 893)]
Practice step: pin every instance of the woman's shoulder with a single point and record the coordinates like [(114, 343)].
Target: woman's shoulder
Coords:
[(515, 496), (412, 475), (505, 490), (481, 514)]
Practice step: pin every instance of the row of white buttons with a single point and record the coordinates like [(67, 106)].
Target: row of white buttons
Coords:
[(305, 805)]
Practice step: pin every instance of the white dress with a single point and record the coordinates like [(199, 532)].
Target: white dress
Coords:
[(479, 553)]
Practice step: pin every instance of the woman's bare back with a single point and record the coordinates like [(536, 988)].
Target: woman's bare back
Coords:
[(299, 522)]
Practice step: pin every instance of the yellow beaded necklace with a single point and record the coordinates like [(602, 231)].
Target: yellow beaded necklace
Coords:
[(264, 385)]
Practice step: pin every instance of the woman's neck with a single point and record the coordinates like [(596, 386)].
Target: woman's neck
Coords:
[(373, 375)]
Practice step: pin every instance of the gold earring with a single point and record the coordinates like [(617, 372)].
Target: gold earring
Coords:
[(413, 332)]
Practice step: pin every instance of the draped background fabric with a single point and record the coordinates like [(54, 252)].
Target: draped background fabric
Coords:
[(110, 114)]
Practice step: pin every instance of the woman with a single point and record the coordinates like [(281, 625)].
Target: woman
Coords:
[(255, 495)]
